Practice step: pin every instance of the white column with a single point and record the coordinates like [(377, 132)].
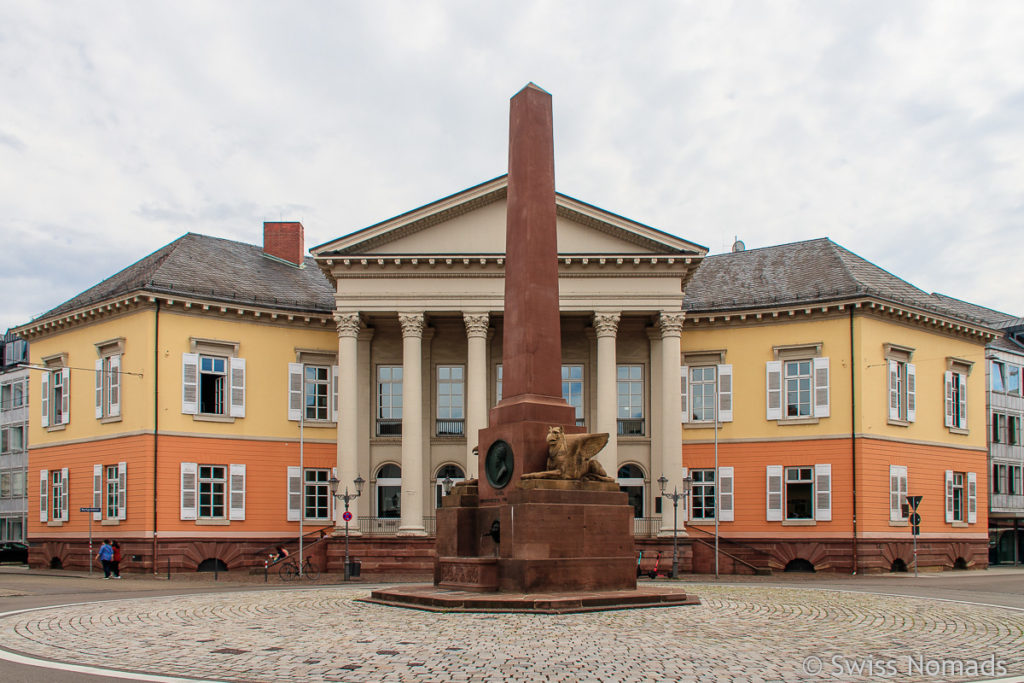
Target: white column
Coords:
[(348, 412), (671, 325), (606, 327), (412, 425), (476, 384)]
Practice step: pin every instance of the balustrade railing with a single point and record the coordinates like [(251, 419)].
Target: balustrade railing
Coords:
[(631, 427), (446, 426), (389, 427), (646, 527)]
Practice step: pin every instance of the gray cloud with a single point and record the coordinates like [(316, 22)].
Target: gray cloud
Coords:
[(892, 128)]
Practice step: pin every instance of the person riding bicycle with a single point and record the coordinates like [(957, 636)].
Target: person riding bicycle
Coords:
[(282, 553)]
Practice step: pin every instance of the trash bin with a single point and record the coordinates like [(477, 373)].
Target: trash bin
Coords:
[(354, 567)]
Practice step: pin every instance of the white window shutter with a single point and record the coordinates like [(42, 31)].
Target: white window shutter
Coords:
[(686, 507), (294, 493), (65, 396), (963, 401), (190, 387), (774, 493), (334, 393), (237, 483), (44, 485), (972, 497), (773, 384), (897, 492), (949, 398), (725, 494), (823, 492), (44, 400), (97, 491), (821, 388), (64, 485), (114, 386), (295, 391), (99, 388), (949, 496), (724, 373), (122, 490), (684, 390), (911, 393), (237, 387), (894, 394), (189, 472)]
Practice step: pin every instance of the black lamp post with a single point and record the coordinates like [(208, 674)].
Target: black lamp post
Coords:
[(347, 497), (674, 497)]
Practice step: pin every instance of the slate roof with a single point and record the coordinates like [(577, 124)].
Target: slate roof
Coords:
[(813, 271), (992, 317), (215, 269)]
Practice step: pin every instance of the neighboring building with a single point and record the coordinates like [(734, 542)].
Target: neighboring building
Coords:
[(178, 390), (13, 438), (1005, 410)]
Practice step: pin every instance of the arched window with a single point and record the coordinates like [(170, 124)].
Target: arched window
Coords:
[(453, 472), (389, 491), (631, 480)]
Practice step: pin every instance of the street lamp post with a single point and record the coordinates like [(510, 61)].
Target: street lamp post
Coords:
[(674, 497), (348, 498)]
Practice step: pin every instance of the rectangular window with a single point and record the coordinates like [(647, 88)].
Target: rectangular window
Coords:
[(317, 495), (212, 384), (1014, 481), (630, 399), (389, 400), (1013, 373), (956, 399), (6, 396), (998, 428), (58, 495), (497, 384), (451, 400), (702, 494), (5, 485), (702, 388), (108, 386), (18, 392), (799, 488), (797, 383), (57, 396), (998, 375), (212, 491), (20, 484), (998, 478), (318, 392), (1013, 430), (958, 496), (572, 390), (899, 509), (5, 440), (113, 492)]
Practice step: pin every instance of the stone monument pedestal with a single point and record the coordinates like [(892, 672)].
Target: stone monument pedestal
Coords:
[(554, 536)]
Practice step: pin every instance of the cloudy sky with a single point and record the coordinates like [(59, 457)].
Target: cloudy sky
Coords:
[(896, 129)]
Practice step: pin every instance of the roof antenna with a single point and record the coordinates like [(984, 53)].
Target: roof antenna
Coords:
[(738, 245)]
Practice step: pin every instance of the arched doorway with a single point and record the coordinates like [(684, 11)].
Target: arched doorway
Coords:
[(631, 481), (389, 491), (453, 472)]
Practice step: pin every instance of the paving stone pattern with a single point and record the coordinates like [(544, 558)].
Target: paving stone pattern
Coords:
[(739, 633)]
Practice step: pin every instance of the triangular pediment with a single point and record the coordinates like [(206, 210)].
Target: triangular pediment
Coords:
[(473, 222)]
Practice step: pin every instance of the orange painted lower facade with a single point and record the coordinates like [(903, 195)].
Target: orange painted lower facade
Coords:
[(859, 536)]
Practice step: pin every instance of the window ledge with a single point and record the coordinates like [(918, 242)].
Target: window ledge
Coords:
[(798, 421), (898, 423), (958, 430), (56, 428), (108, 420), (701, 522), (110, 522), (212, 418), (319, 424), (899, 523), (52, 523), (799, 522), (634, 438), (960, 525), (385, 439), (213, 522), (702, 425)]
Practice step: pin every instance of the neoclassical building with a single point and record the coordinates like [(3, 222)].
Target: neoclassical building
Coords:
[(204, 397)]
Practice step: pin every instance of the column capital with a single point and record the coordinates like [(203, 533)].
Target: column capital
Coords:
[(348, 324), (476, 324), (412, 324), (671, 324), (606, 324)]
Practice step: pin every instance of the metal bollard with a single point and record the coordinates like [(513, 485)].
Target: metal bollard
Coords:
[(168, 569), (266, 564), (216, 566)]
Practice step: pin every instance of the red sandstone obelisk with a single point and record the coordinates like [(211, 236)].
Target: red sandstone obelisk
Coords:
[(531, 343)]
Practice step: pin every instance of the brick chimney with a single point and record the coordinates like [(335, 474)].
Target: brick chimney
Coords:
[(283, 241)]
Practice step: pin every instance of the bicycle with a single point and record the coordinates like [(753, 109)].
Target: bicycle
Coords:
[(289, 570)]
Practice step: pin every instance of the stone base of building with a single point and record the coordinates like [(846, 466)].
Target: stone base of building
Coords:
[(395, 557)]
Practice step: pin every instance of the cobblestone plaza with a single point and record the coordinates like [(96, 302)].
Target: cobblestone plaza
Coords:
[(739, 632)]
